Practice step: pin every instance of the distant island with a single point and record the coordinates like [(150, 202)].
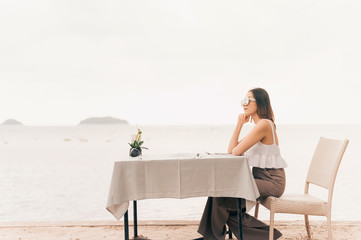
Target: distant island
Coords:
[(11, 122), (103, 120)]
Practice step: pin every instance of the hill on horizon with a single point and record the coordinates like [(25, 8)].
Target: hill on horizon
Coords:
[(11, 122), (103, 120)]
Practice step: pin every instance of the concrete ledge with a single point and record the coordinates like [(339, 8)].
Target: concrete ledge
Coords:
[(160, 229), (156, 223)]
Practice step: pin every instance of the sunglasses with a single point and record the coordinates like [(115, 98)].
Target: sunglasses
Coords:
[(246, 101)]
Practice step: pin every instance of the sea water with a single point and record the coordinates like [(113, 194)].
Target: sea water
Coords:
[(62, 173)]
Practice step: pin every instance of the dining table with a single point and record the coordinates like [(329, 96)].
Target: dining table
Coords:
[(179, 175)]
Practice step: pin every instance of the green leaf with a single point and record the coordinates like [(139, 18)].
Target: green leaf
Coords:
[(140, 143)]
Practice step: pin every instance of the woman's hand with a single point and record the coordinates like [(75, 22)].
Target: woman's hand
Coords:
[(243, 118)]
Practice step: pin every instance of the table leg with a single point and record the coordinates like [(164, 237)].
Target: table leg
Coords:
[(126, 226), (239, 211), (135, 219)]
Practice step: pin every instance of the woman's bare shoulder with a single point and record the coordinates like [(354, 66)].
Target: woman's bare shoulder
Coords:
[(263, 123)]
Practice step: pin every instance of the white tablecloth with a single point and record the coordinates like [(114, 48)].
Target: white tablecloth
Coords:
[(180, 176)]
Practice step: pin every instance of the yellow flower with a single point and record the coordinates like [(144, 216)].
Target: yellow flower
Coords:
[(139, 135)]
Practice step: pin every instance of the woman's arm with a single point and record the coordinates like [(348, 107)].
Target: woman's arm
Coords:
[(234, 139), (257, 134), (242, 119)]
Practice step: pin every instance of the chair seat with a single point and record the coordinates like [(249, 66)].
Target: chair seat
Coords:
[(296, 204)]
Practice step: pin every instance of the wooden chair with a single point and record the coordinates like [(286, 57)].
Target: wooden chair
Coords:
[(322, 172)]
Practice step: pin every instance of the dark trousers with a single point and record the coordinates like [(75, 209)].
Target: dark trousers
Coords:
[(222, 210)]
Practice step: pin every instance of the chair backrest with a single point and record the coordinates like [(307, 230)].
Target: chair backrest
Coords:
[(325, 163)]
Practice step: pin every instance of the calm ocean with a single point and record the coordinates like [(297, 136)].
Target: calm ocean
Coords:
[(63, 173)]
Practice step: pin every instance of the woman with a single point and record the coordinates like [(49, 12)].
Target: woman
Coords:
[(260, 147)]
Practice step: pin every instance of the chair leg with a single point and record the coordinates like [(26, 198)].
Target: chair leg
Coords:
[(256, 210), (271, 225), (307, 223), (329, 228)]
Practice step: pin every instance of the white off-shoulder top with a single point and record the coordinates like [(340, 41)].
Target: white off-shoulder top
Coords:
[(265, 156)]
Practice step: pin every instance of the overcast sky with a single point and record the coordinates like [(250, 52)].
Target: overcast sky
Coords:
[(179, 62)]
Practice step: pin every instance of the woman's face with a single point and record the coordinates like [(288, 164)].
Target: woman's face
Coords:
[(251, 108)]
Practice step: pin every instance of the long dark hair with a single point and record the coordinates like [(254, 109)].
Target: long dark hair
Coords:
[(264, 109)]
